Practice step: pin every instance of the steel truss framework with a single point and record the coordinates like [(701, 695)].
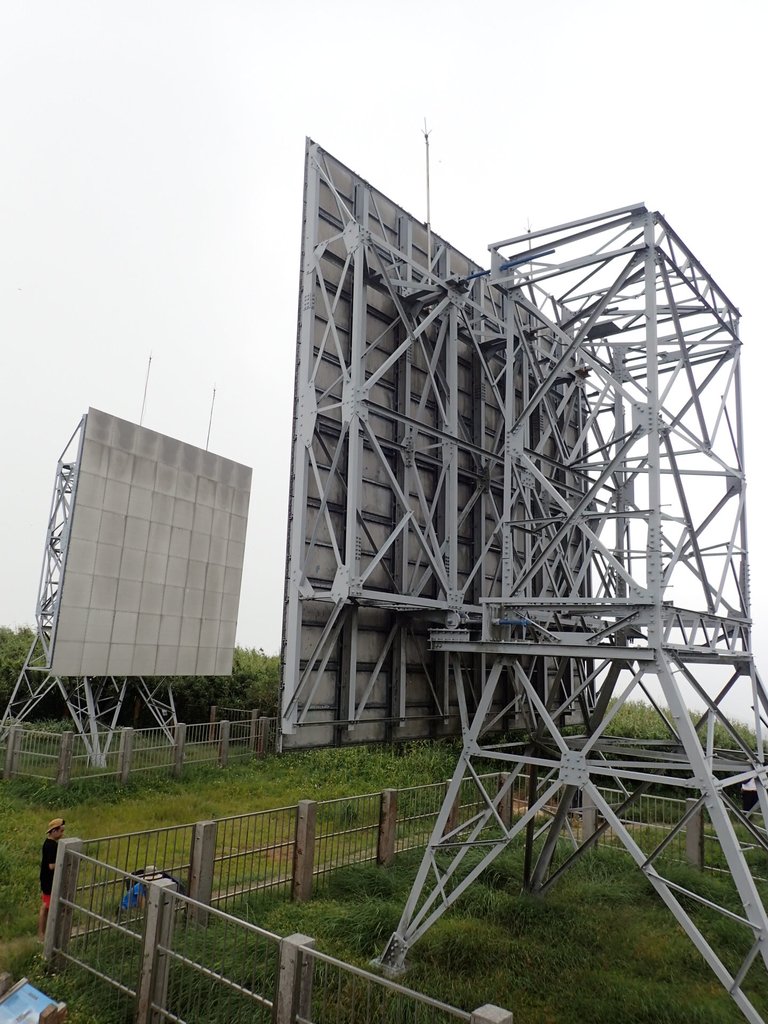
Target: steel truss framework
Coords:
[(93, 703), (544, 460)]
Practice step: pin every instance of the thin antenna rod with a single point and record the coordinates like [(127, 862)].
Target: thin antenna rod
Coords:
[(429, 218), (210, 418), (146, 385)]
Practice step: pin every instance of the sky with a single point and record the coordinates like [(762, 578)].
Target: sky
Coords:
[(151, 169)]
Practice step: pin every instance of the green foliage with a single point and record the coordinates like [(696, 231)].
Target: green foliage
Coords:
[(254, 683), (14, 646)]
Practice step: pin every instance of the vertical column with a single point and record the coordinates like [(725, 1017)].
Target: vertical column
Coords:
[(694, 836), (223, 743), (125, 755), (385, 852), (203, 861), (12, 743), (490, 1014), (654, 560), (253, 726), (64, 769), (179, 742), (63, 893), (588, 816), (505, 803), (293, 996), (304, 850), (152, 989)]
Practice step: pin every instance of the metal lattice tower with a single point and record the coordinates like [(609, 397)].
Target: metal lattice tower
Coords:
[(518, 496), (93, 703)]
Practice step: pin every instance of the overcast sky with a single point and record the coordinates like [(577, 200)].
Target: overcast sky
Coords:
[(151, 167)]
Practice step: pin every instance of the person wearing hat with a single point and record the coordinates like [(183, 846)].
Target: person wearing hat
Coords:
[(47, 865)]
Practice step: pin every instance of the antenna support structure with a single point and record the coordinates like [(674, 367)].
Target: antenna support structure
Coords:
[(94, 704), (624, 570), (518, 502)]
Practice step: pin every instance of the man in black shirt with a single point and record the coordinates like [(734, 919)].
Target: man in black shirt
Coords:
[(47, 864)]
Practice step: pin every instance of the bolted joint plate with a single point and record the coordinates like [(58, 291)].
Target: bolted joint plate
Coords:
[(392, 960), (573, 769)]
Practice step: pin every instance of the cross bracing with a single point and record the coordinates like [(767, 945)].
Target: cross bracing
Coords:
[(518, 502), (94, 702)]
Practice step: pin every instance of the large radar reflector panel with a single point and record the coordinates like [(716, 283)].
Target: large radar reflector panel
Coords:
[(152, 557), (398, 472)]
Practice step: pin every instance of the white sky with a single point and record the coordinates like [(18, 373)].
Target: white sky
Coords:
[(151, 167)]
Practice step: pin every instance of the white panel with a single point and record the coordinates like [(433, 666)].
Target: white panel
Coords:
[(99, 625), (112, 529), (81, 555), (140, 503), (124, 629), (155, 568), (147, 628), (139, 583), (68, 657), (159, 538), (104, 593), (128, 595), (132, 565), (224, 662), (167, 655)]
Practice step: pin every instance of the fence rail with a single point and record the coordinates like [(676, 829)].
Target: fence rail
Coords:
[(175, 959), (61, 757)]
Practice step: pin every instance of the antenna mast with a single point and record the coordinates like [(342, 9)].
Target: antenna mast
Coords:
[(429, 219), (146, 385), (210, 418)]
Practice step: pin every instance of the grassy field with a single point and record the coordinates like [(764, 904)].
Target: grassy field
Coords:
[(601, 945)]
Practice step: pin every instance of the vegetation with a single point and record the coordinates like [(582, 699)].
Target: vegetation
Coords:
[(254, 683)]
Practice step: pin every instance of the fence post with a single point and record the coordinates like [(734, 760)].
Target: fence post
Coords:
[(304, 850), (253, 730), (64, 891), (201, 868), (505, 803), (223, 743), (179, 740), (588, 816), (261, 740), (385, 851), (293, 995), (212, 725), (14, 735), (694, 836), (453, 816), (64, 769), (152, 987), (125, 755), (490, 1014)]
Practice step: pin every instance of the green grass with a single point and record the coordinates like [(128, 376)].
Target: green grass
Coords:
[(600, 947)]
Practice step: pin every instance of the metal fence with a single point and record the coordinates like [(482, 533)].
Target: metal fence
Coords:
[(61, 757), (171, 958)]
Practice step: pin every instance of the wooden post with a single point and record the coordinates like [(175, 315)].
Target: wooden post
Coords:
[(203, 861), (212, 725), (293, 996), (64, 891), (505, 804), (223, 743), (304, 850), (453, 817), (64, 769), (179, 739), (253, 729), (694, 837), (125, 755), (385, 851), (261, 741), (158, 926)]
